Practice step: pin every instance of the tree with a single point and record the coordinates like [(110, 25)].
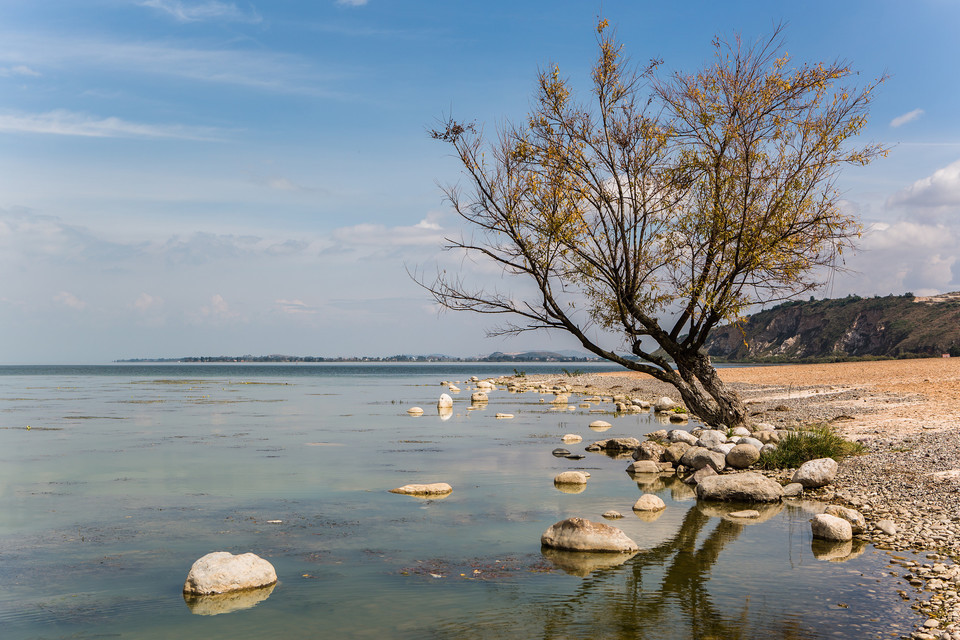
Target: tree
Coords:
[(667, 204)]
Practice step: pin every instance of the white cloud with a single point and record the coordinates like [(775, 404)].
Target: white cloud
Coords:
[(218, 309), (146, 302), (209, 10), (909, 116), (18, 70), (67, 299), (425, 232), (295, 307), (68, 123), (937, 190), (258, 69)]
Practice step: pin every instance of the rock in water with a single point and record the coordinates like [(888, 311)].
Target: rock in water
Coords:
[(445, 402), (223, 572), (649, 450), (415, 411), (857, 522), (649, 502), (570, 438), (644, 466), (827, 527), (664, 404), (816, 473), (580, 534), (570, 477), (745, 487), (433, 489), (479, 397)]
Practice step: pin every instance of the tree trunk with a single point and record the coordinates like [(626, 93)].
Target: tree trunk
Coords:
[(705, 394)]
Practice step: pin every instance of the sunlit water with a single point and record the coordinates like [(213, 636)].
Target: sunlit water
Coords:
[(130, 473)]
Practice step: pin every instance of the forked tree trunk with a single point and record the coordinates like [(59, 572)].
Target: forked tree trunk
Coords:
[(705, 394)]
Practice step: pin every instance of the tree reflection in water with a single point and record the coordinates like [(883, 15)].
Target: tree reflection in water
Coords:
[(679, 606)]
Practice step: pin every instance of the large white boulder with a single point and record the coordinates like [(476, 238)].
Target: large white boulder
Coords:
[(816, 473), (223, 572), (445, 402), (580, 534), (742, 456), (742, 487), (828, 527), (649, 502), (858, 523)]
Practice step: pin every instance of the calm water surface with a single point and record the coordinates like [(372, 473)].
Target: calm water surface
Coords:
[(130, 473)]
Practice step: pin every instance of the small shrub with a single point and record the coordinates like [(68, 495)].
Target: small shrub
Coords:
[(819, 441), (680, 409), (573, 373), (520, 374)]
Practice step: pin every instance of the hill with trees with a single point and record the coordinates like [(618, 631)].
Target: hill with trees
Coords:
[(843, 329)]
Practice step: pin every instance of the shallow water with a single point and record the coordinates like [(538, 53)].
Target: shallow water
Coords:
[(130, 473)]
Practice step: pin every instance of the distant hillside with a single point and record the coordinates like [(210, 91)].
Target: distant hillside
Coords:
[(845, 328)]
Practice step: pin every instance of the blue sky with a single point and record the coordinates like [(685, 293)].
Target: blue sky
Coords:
[(187, 177)]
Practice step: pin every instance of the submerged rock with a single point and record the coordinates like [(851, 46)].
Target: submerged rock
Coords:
[(224, 572), (432, 489), (580, 534)]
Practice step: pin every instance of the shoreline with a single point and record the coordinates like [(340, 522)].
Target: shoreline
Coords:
[(905, 412)]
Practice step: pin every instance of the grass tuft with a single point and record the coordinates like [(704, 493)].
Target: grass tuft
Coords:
[(818, 441)]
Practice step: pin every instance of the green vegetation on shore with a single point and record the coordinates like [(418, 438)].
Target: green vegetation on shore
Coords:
[(818, 441)]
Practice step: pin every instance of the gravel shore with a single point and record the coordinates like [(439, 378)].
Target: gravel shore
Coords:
[(907, 415)]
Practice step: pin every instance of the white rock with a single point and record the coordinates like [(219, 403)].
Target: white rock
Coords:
[(644, 466), (664, 404), (571, 438), (612, 515), (479, 396), (816, 473), (679, 435), (503, 416), (223, 572), (486, 385), (434, 488), (570, 477), (711, 437), (741, 431), (740, 487), (742, 456), (649, 502), (453, 388), (580, 534), (415, 411), (888, 527), (857, 522), (445, 402), (827, 527), (600, 425)]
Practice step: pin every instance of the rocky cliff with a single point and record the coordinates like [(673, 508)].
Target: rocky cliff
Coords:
[(851, 327)]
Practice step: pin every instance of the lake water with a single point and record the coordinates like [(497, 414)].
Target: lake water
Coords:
[(129, 473)]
